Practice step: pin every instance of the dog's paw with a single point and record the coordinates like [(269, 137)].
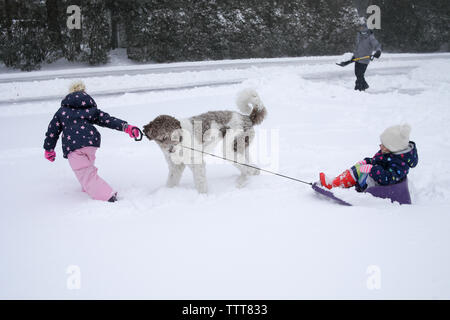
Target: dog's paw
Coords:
[(202, 189), (241, 181)]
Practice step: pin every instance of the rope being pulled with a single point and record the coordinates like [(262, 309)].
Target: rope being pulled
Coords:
[(138, 137), (250, 166)]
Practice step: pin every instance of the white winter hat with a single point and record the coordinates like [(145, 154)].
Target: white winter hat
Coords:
[(396, 138)]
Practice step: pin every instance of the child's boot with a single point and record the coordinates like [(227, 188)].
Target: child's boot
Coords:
[(344, 180), (113, 198), (325, 181)]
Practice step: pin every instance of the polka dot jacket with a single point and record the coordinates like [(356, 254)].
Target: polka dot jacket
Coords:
[(75, 121), (392, 168)]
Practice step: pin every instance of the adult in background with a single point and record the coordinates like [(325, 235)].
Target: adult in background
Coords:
[(366, 45)]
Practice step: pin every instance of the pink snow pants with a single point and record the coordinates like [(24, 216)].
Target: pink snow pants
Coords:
[(82, 163)]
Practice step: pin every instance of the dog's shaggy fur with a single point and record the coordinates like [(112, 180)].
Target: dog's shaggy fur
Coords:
[(204, 132)]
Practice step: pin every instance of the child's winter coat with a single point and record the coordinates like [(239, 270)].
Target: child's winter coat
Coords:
[(75, 119), (392, 168)]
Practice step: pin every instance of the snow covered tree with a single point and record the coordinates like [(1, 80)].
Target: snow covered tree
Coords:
[(54, 25), (415, 25), (24, 39), (147, 34), (330, 26), (96, 32), (71, 39), (35, 31)]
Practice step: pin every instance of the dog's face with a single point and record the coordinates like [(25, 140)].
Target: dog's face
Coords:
[(165, 131)]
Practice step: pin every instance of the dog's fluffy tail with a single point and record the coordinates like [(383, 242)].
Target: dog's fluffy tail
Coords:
[(249, 103)]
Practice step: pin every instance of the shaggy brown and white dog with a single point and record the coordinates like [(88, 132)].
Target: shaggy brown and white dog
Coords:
[(204, 132)]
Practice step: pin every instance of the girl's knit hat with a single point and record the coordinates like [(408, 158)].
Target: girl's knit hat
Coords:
[(396, 138)]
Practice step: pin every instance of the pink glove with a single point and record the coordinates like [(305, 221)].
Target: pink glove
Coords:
[(362, 162), (365, 168), (132, 131), (50, 155)]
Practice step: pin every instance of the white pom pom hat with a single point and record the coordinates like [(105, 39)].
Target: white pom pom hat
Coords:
[(396, 138)]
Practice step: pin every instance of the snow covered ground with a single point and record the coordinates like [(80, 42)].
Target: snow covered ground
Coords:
[(273, 239)]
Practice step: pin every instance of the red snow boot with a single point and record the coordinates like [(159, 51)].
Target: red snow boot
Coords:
[(344, 180)]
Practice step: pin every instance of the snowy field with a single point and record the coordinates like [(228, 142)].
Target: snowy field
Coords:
[(274, 238)]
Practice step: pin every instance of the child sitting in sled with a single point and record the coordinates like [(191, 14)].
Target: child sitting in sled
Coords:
[(75, 121), (390, 165)]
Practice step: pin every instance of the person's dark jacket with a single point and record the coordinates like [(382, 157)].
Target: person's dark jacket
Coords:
[(366, 44), (392, 168), (75, 121)]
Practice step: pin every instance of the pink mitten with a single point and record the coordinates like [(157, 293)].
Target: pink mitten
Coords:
[(365, 168), (132, 131), (50, 155), (362, 162)]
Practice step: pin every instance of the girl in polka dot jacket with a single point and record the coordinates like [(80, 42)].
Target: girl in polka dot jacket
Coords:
[(390, 165), (75, 121)]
